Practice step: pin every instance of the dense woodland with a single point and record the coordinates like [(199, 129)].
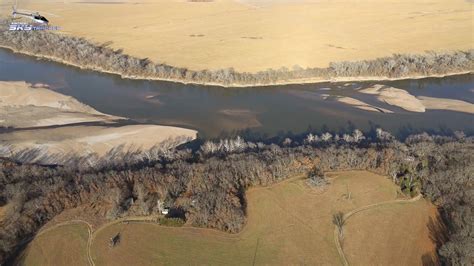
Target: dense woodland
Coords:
[(205, 185), (81, 52)]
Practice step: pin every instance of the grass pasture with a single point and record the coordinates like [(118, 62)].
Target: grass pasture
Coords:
[(255, 35), (288, 223), (63, 245), (389, 235)]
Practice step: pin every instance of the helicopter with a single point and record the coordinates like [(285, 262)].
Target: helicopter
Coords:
[(35, 16)]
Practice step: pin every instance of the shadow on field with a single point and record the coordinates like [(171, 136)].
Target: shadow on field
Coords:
[(439, 235)]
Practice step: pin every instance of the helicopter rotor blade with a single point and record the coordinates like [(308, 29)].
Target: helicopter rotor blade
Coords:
[(49, 14), (38, 11)]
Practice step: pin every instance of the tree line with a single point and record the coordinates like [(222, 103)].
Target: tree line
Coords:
[(206, 185), (102, 57)]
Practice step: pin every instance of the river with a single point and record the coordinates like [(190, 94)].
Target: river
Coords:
[(263, 111)]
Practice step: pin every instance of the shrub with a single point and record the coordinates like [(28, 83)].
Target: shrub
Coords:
[(176, 222), (316, 177)]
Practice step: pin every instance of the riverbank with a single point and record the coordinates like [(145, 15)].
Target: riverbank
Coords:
[(254, 35), (209, 196), (301, 81), (24, 105), (221, 112), (52, 143), (51, 126)]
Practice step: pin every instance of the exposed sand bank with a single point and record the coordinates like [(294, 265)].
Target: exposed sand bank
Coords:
[(403, 99), (396, 97), (239, 119), (24, 105), (96, 139), (361, 105), (256, 35), (447, 104), (20, 94)]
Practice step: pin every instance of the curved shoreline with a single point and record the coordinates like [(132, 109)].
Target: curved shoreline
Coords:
[(236, 85)]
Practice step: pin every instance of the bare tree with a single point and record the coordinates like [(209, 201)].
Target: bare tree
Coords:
[(338, 221)]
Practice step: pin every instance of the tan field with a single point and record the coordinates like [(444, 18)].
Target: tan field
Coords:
[(288, 223), (373, 230), (256, 35), (65, 245)]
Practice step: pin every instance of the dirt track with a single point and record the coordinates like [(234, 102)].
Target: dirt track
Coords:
[(292, 185), (361, 209)]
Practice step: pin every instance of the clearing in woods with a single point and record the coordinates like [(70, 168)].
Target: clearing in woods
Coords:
[(373, 234), (64, 245), (288, 223)]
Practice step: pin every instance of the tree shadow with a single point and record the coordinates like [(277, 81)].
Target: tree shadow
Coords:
[(439, 235), (429, 259), (176, 212)]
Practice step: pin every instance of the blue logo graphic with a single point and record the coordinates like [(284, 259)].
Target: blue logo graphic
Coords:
[(21, 26)]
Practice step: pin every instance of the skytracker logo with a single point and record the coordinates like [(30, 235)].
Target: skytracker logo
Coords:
[(21, 26)]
